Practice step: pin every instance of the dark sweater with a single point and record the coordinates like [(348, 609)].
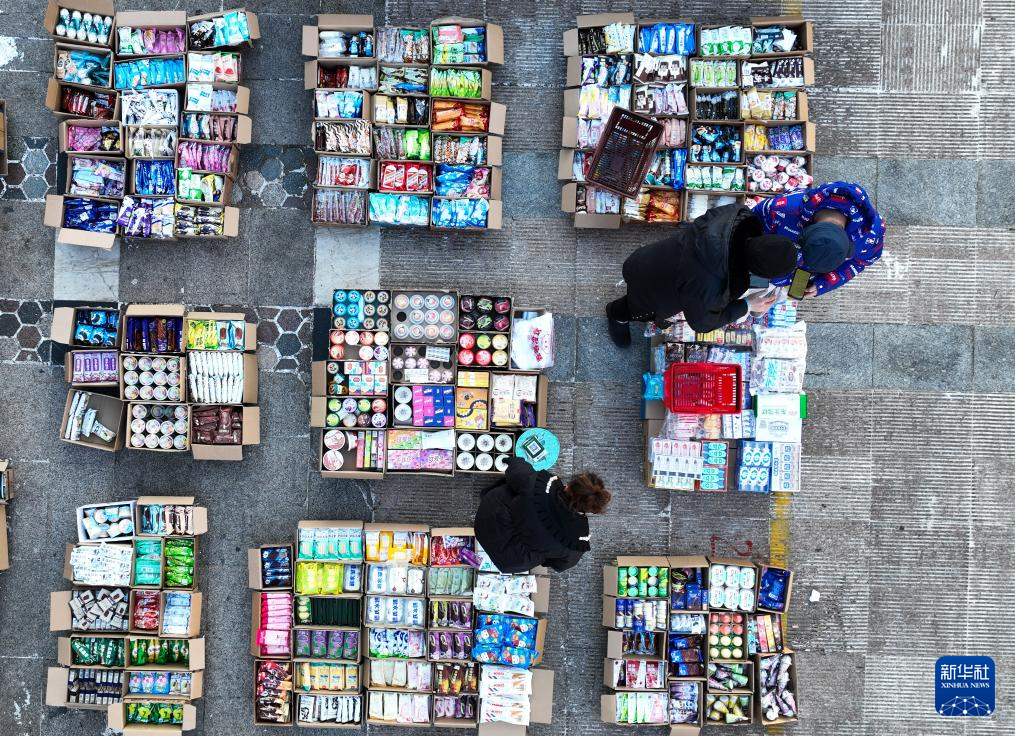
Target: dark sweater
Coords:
[(523, 522)]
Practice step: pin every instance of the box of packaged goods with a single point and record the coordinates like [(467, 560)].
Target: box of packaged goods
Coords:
[(6, 493), (721, 655), (757, 446), (134, 612), (185, 159)]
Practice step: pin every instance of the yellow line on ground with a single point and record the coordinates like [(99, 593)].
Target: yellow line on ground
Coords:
[(778, 548)]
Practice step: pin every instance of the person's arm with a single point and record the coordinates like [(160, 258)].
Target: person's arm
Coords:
[(867, 255), (560, 564), (705, 317), (519, 475)]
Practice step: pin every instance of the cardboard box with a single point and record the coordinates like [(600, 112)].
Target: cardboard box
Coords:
[(121, 384), (5, 562), (253, 26), (568, 203), (75, 45), (3, 139), (57, 689), (494, 36), (334, 22), (110, 412), (803, 28), (117, 720), (691, 561), (130, 409), (194, 629), (608, 678), (88, 123), (759, 713), (251, 435), (112, 160), (62, 619), (200, 512), (494, 216), (540, 707), (230, 225), (810, 137), (53, 99), (802, 110), (615, 647), (592, 21), (102, 7), (311, 69), (789, 589), (254, 573), (161, 19), (196, 658), (242, 99), (68, 368), (68, 571), (354, 473), (808, 68), (226, 196), (610, 572), (53, 217), (65, 655), (153, 310), (371, 165)]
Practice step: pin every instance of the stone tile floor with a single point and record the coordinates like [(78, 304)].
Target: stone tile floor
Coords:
[(904, 525)]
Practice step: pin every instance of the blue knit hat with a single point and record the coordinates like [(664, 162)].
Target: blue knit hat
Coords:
[(825, 247)]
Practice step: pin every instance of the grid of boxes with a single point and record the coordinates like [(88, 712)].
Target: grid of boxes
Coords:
[(404, 127), (695, 642), (757, 447), (152, 115), (133, 615), (157, 377), (395, 624), (3, 138), (425, 381), (731, 99)]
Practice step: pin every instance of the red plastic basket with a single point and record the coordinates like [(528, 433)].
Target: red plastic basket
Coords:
[(703, 388)]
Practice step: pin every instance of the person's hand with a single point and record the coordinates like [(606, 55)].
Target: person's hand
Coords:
[(811, 291), (761, 303)]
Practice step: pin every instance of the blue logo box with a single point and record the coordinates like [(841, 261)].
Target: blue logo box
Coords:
[(964, 686)]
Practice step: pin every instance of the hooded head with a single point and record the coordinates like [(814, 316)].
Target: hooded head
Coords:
[(825, 246), (770, 256)]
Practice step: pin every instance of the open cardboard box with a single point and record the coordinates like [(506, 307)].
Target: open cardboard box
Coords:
[(144, 448), (83, 46), (88, 355), (242, 99), (615, 647), (254, 579), (195, 662), (360, 474), (253, 27), (796, 23), (251, 435), (110, 411), (494, 216), (315, 219), (68, 571), (688, 561), (808, 69), (592, 21), (540, 704), (89, 123), (789, 590), (609, 682), (494, 36), (153, 310), (129, 62), (161, 19), (366, 111), (57, 693), (250, 379), (53, 217), (486, 84), (336, 22), (611, 572), (255, 622), (54, 99), (759, 714), (117, 720), (395, 724), (61, 618), (810, 137), (802, 110), (4, 156), (569, 203), (112, 160), (200, 512), (234, 159), (129, 131), (122, 384), (608, 714), (224, 196), (230, 223), (371, 165), (102, 7), (312, 75), (79, 516)]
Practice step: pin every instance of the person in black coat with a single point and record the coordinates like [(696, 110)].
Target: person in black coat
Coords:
[(702, 271), (530, 518)]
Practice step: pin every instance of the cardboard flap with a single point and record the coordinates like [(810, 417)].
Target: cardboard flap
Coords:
[(56, 687), (152, 18), (498, 118), (688, 561), (53, 215), (59, 611), (541, 598), (62, 329), (254, 568), (253, 26), (251, 425), (231, 226), (494, 44), (310, 40), (5, 560), (565, 164), (197, 655), (319, 378), (568, 197), (596, 20), (495, 215), (244, 130), (318, 410), (242, 100), (63, 651), (495, 150), (310, 74), (541, 700)]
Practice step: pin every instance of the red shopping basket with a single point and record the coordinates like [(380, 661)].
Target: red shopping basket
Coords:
[(703, 388)]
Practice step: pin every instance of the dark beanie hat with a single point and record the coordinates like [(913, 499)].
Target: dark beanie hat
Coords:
[(825, 247), (771, 256)]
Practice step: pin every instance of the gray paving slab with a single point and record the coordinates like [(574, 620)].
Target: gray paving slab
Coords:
[(923, 357), (996, 189), (840, 356), (916, 192), (28, 252)]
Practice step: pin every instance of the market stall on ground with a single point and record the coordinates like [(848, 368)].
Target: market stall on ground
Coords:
[(729, 101), (134, 615), (430, 381), (395, 624), (6, 494), (697, 641), (152, 116), (404, 127), (158, 377)]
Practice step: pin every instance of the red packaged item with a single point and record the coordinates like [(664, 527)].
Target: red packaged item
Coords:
[(479, 186), (145, 616)]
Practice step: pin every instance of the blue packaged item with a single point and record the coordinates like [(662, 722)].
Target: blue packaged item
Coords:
[(652, 384), (399, 209), (453, 179), (154, 177), (460, 213), (773, 589), (141, 73), (83, 67), (754, 474), (89, 215), (667, 38)]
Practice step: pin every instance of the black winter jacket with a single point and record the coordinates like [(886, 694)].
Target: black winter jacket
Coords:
[(691, 271), (523, 522)]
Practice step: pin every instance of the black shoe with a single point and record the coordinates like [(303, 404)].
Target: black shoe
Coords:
[(620, 333)]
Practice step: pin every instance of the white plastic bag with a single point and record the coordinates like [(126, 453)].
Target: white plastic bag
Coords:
[(532, 343)]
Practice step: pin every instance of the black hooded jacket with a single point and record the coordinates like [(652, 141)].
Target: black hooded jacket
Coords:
[(693, 271), (523, 522)]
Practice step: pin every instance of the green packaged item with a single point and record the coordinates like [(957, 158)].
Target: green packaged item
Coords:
[(148, 562), (179, 570), (95, 651)]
